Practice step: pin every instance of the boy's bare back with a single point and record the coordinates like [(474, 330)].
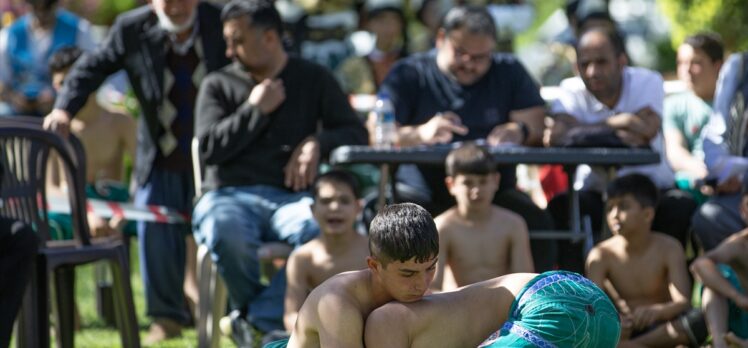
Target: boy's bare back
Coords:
[(639, 277), (480, 250), (348, 298)]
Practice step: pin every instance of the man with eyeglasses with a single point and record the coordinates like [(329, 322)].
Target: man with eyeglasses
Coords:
[(463, 90)]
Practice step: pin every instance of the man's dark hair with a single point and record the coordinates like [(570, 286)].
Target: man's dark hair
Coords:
[(42, 4), (595, 16), (473, 19), (639, 186), (470, 159), (64, 58), (401, 232), (709, 43), (337, 176), (613, 36), (261, 14)]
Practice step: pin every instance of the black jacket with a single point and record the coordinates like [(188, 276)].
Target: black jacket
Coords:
[(137, 44)]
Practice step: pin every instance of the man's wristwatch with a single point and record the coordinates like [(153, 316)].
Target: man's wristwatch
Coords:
[(524, 129)]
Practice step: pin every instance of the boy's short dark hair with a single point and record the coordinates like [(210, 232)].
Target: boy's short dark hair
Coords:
[(639, 186), (262, 14), (401, 232), (470, 159), (64, 58), (709, 43), (337, 176)]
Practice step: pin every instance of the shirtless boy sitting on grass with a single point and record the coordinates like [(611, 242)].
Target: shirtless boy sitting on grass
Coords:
[(339, 248), (643, 272), (553, 309), (477, 239), (724, 273), (403, 246)]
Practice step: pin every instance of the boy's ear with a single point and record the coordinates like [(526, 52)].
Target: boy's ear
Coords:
[(360, 204), (449, 182), (497, 176), (373, 264), (650, 211), (744, 208)]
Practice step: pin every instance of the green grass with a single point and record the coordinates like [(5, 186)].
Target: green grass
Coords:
[(94, 333)]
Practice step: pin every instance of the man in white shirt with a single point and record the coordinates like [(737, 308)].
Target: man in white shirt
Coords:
[(622, 105)]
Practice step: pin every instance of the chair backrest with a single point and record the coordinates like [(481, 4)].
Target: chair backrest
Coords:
[(197, 167), (24, 156)]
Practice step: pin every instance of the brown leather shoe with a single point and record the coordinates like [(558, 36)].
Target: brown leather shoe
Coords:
[(161, 329)]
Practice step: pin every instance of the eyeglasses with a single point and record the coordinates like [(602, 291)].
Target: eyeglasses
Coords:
[(477, 58)]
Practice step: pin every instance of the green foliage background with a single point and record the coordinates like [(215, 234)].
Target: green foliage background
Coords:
[(728, 18)]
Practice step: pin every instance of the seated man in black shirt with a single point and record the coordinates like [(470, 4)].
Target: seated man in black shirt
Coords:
[(263, 124), (465, 91)]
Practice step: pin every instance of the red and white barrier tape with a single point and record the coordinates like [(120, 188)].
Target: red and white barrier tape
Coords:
[(109, 209)]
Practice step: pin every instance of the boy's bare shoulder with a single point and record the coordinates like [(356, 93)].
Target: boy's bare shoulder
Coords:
[(607, 247), (666, 243), (448, 221), (342, 288), (507, 217), (308, 248)]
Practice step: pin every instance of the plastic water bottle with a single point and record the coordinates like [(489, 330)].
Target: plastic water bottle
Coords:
[(385, 130)]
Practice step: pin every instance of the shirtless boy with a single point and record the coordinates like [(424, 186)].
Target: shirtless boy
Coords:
[(107, 137), (403, 248), (553, 309), (477, 239), (643, 272), (339, 248), (724, 273)]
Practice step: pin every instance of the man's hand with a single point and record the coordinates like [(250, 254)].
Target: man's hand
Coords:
[(632, 138), (439, 129), (268, 95), (639, 128), (58, 121), (100, 227), (302, 167), (507, 133)]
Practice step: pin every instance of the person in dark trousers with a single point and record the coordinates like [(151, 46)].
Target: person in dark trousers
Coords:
[(166, 48), (264, 123)]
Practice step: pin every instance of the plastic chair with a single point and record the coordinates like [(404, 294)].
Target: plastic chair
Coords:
[(24, 151), (212, 290)]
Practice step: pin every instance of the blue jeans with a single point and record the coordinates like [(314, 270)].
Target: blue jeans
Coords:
[(233, 222), (162, 247), (717, 219)]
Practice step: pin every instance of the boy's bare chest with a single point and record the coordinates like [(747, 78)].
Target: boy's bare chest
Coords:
[(639, 277)]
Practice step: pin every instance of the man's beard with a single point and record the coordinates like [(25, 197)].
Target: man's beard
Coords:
[(167, 24)]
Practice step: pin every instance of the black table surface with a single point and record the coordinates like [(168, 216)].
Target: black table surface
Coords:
[(436, 154)]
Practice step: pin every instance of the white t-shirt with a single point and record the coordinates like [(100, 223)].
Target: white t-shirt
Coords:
[(641, 88)]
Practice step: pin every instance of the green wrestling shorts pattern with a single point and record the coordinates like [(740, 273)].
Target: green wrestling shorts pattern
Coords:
[(559, 309), (277, 344), (737, 321), (61, 225)]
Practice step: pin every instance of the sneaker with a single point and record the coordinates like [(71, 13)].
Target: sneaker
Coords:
[(238, 328)]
